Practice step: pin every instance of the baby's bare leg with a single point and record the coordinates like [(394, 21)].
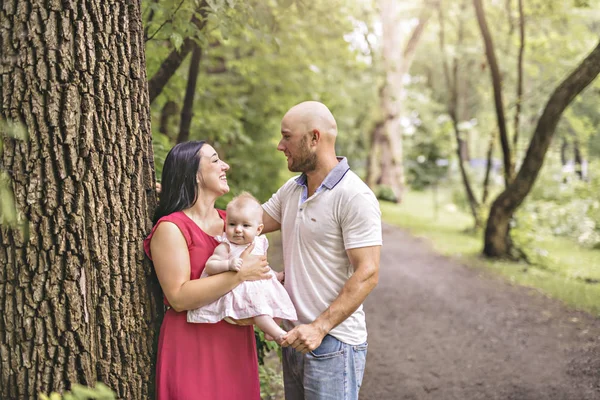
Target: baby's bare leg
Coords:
[(270, 327)]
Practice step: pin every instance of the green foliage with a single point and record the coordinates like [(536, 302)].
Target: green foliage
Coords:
[(269, 56), (271, 383), (79, 392), (264, 346), (560, 205), (161, 145), (385, 193), (427, 165)]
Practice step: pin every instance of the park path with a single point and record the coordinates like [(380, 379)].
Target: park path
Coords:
[(441, 330)]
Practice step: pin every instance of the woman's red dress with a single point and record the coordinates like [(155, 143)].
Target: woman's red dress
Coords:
[(203, 361)]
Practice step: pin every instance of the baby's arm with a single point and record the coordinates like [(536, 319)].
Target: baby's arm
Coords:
[(219, 261)]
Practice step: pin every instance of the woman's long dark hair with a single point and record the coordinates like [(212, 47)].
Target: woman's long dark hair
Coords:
[(179, 189)]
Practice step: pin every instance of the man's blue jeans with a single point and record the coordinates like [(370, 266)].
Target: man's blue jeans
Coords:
[(333, 371)]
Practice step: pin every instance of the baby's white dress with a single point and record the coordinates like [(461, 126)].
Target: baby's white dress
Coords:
[(250, 298)]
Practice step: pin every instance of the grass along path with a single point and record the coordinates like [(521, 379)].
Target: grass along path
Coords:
[(564, 272)]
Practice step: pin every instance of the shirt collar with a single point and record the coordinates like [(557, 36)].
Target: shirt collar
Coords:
[(333, 177)]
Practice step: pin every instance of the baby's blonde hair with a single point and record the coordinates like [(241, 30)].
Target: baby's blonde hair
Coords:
[(245, 199)]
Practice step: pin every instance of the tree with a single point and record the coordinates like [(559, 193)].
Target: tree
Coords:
[(173, 61), (76, 300), (397, 60), (497, 84), (452, 86), (497, 237)]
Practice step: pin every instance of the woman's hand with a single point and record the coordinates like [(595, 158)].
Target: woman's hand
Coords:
[(253, 267)]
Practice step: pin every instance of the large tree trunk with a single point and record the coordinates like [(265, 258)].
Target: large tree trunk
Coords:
[(76, 301), (497, 85), (396, 65), (497, 239)]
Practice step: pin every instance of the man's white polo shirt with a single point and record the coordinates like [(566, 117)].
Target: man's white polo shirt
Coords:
[(343, 214)]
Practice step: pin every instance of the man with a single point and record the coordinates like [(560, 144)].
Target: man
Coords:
[(331, 231)]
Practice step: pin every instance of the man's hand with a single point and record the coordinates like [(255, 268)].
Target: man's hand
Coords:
[(304, 338)]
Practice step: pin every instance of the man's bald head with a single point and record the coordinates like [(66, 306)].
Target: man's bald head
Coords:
[(311, 115), (308, 132)]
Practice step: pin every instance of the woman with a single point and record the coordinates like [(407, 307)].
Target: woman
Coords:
[(198, 361)]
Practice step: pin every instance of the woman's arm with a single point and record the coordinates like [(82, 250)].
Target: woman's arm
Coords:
[(172, 264)]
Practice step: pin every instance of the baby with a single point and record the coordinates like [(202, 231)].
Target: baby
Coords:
[(262, 300)]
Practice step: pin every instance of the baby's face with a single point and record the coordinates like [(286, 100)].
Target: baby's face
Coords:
[(243, 224)]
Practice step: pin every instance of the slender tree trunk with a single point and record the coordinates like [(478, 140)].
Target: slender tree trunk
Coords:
[(473, 204), (77, 305), (509, 17), (147, 22), (462, 113), (187, 112), (563, 151), (578, 159), (169, 66), (497, 239), (497, 85), (488, 168), (519, 79), (166, 113), (452, 85)]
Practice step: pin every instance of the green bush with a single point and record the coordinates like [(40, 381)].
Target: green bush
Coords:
[(264, 346), (271, 383), (564, 207), (385, 193), (80, 392)]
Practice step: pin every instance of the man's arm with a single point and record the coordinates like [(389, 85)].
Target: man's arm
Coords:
[(365, 261), (270, 224)]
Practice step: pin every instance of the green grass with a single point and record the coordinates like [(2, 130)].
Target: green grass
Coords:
[(561, 273)]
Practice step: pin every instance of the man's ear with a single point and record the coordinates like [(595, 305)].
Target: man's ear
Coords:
[(315, 136), (260, 229)]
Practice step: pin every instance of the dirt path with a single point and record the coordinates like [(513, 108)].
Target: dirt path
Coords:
[(440, 330)]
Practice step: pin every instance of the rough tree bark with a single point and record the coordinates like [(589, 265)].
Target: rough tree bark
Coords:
[(497, 85), (75, 296), (396, 65), (497, 238)]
